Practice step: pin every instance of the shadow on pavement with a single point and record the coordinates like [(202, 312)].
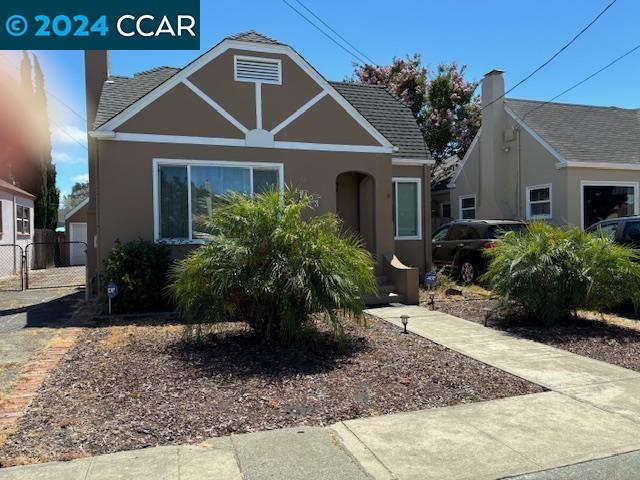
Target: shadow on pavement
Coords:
[(40, 310)]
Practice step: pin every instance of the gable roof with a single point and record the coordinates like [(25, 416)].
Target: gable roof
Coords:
[(76, 209), (583, 133), (393, 121), (443, 172), (4, 185), (388, 115)]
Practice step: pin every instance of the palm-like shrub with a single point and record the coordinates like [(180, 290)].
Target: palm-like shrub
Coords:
[(269, 262), (551, 272)]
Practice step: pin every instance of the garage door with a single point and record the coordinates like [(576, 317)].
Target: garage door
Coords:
[(77, 233)]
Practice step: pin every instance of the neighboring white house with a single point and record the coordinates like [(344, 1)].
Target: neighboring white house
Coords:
[(75, 222), (564, 163), (16, 221)]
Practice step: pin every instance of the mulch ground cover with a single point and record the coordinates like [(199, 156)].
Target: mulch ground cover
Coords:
[(129, 387), (598, 339)]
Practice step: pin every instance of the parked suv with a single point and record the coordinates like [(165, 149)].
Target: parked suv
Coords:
[(624, 230), (459, 245)]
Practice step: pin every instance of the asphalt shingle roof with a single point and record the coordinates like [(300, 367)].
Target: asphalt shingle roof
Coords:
[(584, 133), (388, 115), (254, 37)]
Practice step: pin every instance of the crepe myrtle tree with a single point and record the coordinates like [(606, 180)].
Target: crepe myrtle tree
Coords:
[(443, 102)]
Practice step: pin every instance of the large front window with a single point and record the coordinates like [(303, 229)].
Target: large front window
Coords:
[(406, 208), (186, 192), (602, 201)]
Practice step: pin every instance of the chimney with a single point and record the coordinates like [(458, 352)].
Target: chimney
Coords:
[(96, 72), (493, 170)]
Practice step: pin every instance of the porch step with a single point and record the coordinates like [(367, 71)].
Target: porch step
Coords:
[(383, 299)]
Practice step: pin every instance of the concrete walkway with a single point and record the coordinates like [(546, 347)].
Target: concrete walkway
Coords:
[(589, 419)]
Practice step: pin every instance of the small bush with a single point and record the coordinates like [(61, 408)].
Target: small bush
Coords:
[(268, 262), (551, 272), (140, 270)]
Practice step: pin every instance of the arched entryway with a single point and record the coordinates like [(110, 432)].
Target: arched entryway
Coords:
[(355, 205)]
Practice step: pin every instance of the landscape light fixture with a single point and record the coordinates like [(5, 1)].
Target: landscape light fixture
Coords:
[(405, 320)]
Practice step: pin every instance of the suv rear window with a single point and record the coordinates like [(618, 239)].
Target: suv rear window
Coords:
[(496, 230)]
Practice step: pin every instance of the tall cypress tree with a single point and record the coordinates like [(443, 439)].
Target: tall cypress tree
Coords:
[(49, 198)]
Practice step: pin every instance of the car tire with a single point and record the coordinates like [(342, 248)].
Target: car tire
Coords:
[(468, 272)]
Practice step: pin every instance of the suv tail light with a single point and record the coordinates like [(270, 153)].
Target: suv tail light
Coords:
[(489, 244)]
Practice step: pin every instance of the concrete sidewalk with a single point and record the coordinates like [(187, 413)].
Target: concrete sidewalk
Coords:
[(592, 412)]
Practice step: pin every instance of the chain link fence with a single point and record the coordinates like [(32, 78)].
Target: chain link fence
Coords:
[(11, 271), (55, 264)]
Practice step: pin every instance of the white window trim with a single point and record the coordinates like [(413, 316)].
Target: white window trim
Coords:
[(417, 181), (529, 202), (475, 205), (608, 183), (15, 226), (158, 162), (275, 61)]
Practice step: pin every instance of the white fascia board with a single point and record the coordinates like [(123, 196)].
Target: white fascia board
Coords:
[(537, 137), (219, 49), (75, 209), (600, 165), (474, 143), (412, 162)]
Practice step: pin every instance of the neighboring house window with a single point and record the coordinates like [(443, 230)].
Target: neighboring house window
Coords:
[(603, 200), (186, 191), (446, 210), (406, 208), (468, 207), (539, 202), (23, 220)]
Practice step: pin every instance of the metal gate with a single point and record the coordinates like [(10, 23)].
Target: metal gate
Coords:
[(55, 264), (11, 267)]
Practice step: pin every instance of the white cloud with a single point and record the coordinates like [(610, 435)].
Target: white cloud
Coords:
[(68, 134), (60, 158), (84, 177)]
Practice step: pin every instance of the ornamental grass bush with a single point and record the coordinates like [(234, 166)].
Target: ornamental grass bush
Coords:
[(552, 272), (269, 261)]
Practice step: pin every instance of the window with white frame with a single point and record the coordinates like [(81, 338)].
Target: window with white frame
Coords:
[(539, 202), (186, 191), (23, 220), (467, 207), (406, 209)]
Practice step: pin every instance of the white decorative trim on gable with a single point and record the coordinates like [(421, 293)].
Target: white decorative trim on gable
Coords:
[(213, 104), (256, 141), (299, 112), (222, 47), (75, 209)]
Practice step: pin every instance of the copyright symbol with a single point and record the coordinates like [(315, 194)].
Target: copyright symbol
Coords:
[(16, 25)]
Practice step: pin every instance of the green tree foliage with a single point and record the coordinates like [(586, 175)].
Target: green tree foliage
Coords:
[(48, 199), (269, 262), (140, 270), (443, 103), (552, 272), (79, 193)]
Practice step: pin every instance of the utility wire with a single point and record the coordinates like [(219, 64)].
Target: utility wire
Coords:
[(564, 47), (352, 54), (336, 33), (597, 72)]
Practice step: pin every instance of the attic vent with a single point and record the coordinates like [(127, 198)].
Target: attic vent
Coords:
[(258, 70)]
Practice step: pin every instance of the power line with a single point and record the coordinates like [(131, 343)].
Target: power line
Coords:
[(597, 72), (564, 47), (336, 33), (352, 54)]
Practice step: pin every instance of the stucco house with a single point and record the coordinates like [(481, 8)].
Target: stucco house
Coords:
[(249, 114), (16, 224), (564, 163)]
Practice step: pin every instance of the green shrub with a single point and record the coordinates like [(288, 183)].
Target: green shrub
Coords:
[(140, 270), (551, 272), (269, 262)]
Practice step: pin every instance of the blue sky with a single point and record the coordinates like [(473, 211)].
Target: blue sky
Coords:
[(513, 36)]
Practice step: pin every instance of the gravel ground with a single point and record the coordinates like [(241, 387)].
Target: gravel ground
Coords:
[(591, 337), (129, 387)]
